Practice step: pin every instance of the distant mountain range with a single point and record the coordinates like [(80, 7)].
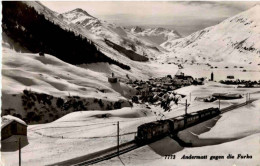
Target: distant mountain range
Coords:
[(156, 35), (236, 39), (145, 43)]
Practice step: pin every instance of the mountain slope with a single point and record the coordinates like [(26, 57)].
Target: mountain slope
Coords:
[(23, 24), (236, 39), (117, 34), (41, 89), (156, 35)]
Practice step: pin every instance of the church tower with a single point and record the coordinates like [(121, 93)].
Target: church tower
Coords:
[(212, 76)]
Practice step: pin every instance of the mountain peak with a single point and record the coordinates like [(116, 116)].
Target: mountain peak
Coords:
[(159, 29), (137, 29), (79, 10)]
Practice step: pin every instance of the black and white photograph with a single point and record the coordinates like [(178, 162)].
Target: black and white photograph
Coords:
[(130, 83)]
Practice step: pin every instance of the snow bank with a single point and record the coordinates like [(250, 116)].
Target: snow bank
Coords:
[(241, 122), (146, 156), (121, 113)]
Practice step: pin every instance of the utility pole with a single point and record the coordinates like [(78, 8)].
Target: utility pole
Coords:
[(186, 107), (246, 98), (219, 102), (20, 152), (186, 110), (190, 97), (118, 138)]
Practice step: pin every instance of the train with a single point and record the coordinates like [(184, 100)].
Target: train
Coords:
[(149, 132)]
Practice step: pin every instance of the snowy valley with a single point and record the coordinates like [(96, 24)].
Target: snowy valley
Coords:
[(81, 83)]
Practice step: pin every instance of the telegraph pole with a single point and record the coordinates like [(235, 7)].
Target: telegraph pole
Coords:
[(190, 97), (20, 152), (186, 107), (219, 102), (118, 138)]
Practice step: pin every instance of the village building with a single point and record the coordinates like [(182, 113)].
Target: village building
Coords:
[(212, 76), (230, 77), (182, 79), (199, 81), (12, 126), (154, 89), (112, 79)]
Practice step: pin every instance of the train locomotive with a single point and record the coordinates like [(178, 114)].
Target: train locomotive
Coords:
[(149, 132)]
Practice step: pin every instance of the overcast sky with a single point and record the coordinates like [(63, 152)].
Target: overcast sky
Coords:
[(186, 17)]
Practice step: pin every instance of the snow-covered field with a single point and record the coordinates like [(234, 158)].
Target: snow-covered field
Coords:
[(80, 133), (236, 132), (251, 72), (52, 76)]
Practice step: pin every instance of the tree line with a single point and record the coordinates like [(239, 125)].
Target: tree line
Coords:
[(35, 32)]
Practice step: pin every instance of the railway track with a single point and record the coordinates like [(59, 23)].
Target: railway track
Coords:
[(108, 156), (232, 107)]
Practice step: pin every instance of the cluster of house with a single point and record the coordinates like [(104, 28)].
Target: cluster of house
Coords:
[(161, 90), (242, 83)]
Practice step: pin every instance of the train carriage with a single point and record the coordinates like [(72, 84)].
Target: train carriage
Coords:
[(178, 123), (154, 130), (192, 118), (215, 111)]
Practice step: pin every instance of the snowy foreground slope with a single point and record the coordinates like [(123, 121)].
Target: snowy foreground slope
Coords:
[(51, 76), (80, 133), (236, 40), (241, 137)]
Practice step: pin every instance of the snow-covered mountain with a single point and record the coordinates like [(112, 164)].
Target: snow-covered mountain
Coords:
[(55, 81), (236, 40), (110, 31), (77, 15), (156, 35)]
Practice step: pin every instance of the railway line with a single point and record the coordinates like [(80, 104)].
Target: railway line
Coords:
[(234, 106), (99, 156), (107, 157), (123, 148)]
